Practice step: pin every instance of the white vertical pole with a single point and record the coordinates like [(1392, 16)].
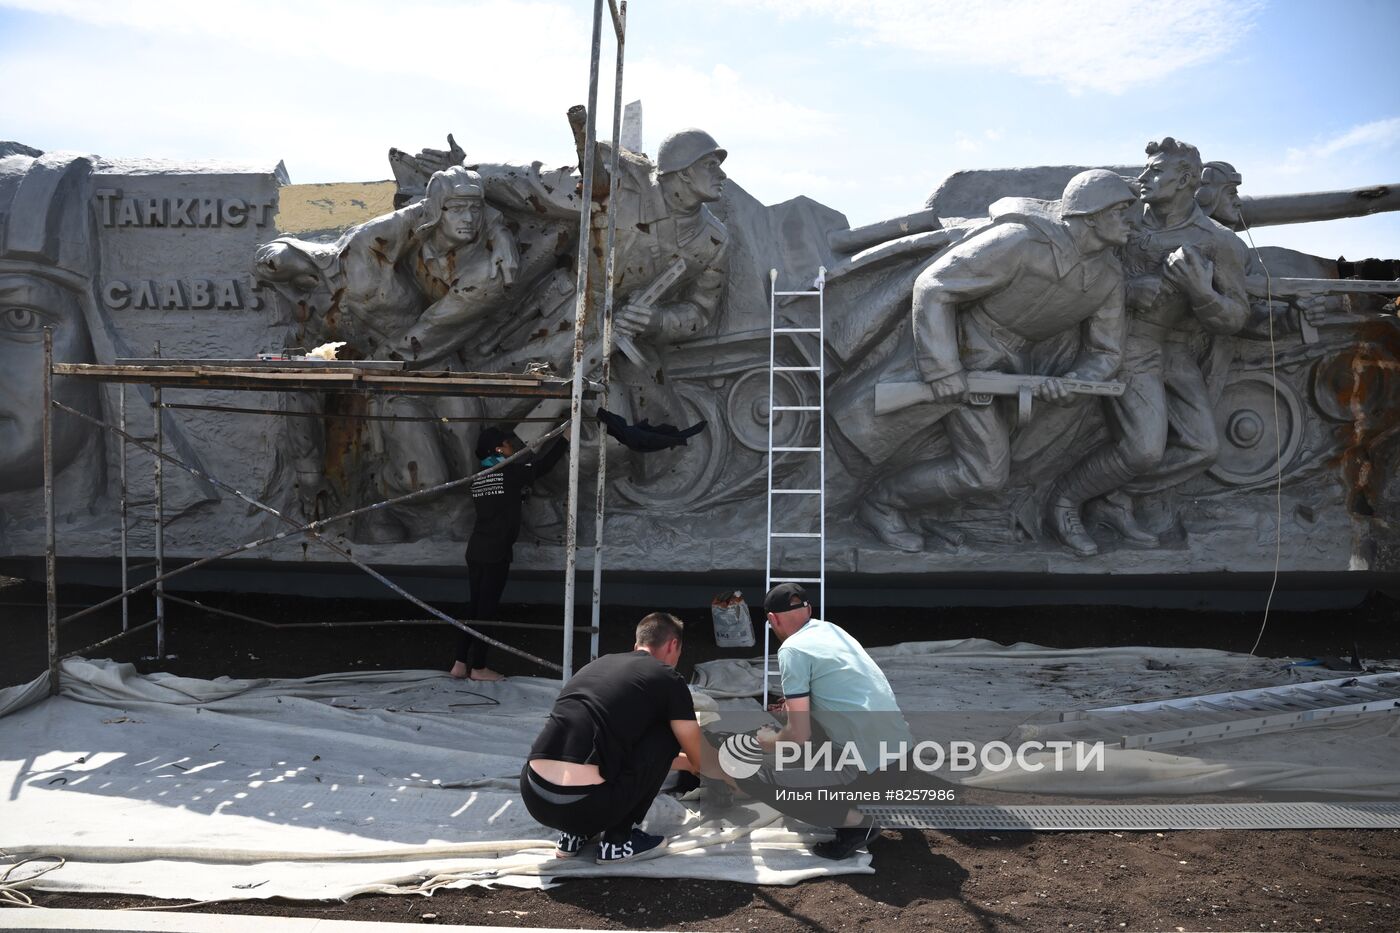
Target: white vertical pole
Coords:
[(821, 437), (585, 233), (620, 28), (160, 519), (126, 584), (772, 415)]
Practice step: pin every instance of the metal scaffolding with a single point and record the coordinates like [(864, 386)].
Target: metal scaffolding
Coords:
[(582, 314), (367, 378), (234, 375)]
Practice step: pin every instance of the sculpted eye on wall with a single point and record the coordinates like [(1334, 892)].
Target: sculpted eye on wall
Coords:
[(48, 263)]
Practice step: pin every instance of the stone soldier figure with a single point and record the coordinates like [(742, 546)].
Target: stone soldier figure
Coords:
[(415, 285), (662, 216), (1038, 292), (678, 224), (1186, 281)]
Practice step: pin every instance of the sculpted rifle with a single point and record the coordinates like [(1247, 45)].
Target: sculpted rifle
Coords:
[(648, 299), (1283, 287), (982, 387)]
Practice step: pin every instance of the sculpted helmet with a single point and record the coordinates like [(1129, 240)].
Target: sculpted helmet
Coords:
[(1220, 173), (683, 149), (1095, 190), (453, 183), (44, 223), (1215, 177)]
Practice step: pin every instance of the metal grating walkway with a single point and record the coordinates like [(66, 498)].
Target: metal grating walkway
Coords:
[(1143, 817)]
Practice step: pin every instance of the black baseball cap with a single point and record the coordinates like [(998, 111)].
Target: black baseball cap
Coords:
[(781, 597), (493, 437)]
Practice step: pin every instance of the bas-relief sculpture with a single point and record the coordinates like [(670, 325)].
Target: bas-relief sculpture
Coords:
[(116, 257), (1143, 440)]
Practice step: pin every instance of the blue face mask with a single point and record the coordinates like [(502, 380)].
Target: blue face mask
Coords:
[(492, 460)]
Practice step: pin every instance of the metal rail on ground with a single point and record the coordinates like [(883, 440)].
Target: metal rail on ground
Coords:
[(1141, 817), (1179, 721)]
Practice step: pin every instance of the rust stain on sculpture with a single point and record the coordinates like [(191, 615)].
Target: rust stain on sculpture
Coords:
[(345, 441), (1370, 393)]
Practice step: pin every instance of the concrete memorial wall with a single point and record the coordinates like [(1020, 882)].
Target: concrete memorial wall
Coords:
[(1053, 370)]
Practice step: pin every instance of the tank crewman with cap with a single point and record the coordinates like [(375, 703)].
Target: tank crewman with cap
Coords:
[(461, 245), (1186, 281), (1219, 197), (415, 285), (1039, 292)]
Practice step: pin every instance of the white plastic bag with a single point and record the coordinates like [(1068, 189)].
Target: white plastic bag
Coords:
[(733, 627)]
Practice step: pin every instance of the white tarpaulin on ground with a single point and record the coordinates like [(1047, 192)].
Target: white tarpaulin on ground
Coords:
[(405, 781), (323, 787)]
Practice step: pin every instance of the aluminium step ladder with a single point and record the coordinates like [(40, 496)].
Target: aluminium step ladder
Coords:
[(809, 382)]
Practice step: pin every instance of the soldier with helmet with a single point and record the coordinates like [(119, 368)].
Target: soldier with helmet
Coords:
[(1186, 282), (672, 221), (662, 216), (1039, 291)]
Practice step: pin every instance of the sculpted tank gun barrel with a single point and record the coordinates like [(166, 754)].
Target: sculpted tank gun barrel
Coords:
[(1272, 209)]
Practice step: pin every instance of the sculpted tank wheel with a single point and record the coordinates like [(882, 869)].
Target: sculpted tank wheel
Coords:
[(681, 476), (748, 409), (1254, 444)]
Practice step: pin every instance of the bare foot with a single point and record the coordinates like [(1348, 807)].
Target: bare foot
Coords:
[(459, 671), (485, 673)]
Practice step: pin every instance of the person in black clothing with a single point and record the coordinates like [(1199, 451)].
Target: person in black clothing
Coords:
[(609, 742), (496, 498)]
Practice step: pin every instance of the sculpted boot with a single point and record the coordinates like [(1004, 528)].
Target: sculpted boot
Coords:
[(887, 524), (1115, 510), (1100, 472), (1065, 522)]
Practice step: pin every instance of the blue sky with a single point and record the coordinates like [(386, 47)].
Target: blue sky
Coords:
[(864, 105)]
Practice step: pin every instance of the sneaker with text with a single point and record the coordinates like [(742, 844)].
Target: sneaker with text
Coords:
[(570, 845), (638, 846)]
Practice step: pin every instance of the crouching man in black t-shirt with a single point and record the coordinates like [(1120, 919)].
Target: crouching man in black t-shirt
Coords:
[(610, 741)]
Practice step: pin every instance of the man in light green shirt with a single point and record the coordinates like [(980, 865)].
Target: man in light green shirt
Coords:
[(828, 677)]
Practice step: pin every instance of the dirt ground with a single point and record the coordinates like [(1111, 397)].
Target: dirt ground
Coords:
[(1277, 880)]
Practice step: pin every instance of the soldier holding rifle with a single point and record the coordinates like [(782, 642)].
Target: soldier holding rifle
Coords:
[(1040, 292)]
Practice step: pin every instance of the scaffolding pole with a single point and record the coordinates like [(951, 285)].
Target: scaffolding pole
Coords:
[(50, 532), (233, 377), (159, 434), (582, 301), (620, 26)]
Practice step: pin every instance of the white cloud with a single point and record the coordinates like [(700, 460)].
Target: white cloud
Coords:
[(329, 85), (1101, 45), (1369, 137)]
